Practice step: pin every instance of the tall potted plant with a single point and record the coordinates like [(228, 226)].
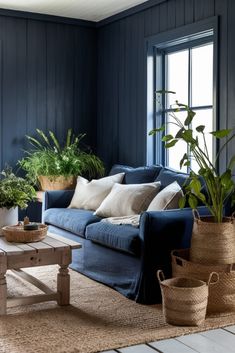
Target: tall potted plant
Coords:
[(217, 231), (14, 192), (53, 165)]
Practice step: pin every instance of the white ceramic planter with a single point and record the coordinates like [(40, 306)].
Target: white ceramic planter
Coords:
[(8, 217)]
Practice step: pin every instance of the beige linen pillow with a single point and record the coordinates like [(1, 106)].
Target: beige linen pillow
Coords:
[(128, 199), (89, 195), (167, 198)]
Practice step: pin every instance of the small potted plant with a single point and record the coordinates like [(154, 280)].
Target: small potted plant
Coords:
[(55, 166), (14, 192), (215, 231)]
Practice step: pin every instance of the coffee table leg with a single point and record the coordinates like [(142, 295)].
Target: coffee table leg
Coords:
[(3, 294), (63, 285)]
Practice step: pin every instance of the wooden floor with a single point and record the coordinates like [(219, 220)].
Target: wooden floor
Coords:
[(214, 341)]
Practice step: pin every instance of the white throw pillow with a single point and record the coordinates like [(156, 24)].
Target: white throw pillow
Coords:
[(89, 195), (128, 199), (167, 198)]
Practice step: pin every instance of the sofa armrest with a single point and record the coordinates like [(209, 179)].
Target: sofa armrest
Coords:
[(57, 199), (160, 233)]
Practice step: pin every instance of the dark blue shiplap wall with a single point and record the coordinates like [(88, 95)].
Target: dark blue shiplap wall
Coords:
[(47, 80), (121, 96)]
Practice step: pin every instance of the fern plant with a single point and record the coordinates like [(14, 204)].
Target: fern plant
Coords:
[(50, 158)]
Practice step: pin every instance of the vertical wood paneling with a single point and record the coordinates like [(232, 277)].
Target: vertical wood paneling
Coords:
[(203, 9), (179, 13), (130, 65), (221, 9), (85, 81), (152, 21), (39, 67), (163, 16), (1, 122), (231, 74), (189, 11), (171, 14), (13, 88), (36, 71)]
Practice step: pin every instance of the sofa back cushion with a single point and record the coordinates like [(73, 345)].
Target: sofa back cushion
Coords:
[(89, 195), (167, 176), (138, 175), (167, 198), (125, 200)]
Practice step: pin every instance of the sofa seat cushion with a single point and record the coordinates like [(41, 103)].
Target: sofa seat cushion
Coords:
[(119, 237), (73, 220)]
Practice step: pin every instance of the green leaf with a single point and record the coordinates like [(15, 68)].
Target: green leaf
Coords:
[(200, 128), (187, 136), (231, 164), (182, 202), (226, 178), (185, 158), (189, 118), (162, 91), (171, 144), (221, 133), (181, 104), (159, 129), (179, 133), (68, 138), (167, 138), (195, 186), (192, 200), (43, 136), (34, 141), (201, 197), (54, 139)]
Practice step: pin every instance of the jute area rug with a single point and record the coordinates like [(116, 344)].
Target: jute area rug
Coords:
[(98, 319)]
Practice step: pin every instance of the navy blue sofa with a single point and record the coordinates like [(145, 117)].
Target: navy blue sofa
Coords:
[(121, 256)]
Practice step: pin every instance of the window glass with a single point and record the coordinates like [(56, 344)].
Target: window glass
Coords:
[(202, 75), (177, 76), (189, 73)]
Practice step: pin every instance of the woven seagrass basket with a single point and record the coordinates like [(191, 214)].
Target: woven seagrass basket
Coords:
[(184, 300), (17, 233), (221, 298), (212, 243)]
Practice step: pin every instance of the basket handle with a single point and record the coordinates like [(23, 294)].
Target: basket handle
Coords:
[(196, 214), (233, 217), (176, 259), (160, 276), (213, 274)]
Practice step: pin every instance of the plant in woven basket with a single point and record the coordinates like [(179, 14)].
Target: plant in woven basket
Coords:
[(15, 191), (220, 186), (52, 159)]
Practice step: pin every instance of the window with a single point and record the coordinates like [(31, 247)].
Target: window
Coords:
[(189, 72), (183, 60)]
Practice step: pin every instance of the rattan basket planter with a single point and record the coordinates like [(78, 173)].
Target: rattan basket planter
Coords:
[(57, 183), (221, 298), (213, 243), (184, 300), (17, 233)]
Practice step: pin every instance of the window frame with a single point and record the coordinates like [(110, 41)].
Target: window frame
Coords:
[(173, 49), (200, 32)]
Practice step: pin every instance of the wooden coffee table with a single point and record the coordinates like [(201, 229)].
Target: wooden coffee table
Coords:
[(54, 249)]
